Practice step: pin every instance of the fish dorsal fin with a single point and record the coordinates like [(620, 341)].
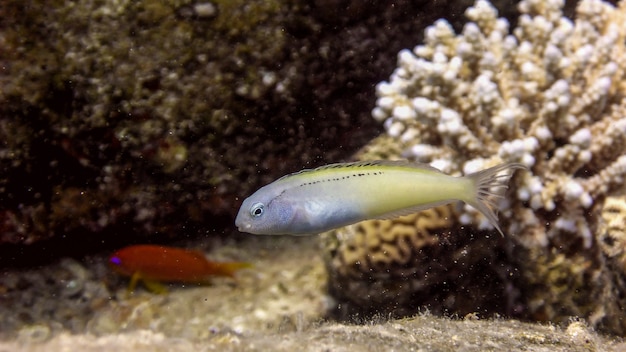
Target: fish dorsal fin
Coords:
[(359, 164)]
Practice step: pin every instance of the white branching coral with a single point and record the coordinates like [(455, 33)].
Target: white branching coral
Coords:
[(551, 95)]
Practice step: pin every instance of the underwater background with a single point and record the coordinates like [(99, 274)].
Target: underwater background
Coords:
[(149, 122)]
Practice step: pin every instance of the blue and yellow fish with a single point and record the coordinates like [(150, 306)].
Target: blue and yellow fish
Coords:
[(331, 196)]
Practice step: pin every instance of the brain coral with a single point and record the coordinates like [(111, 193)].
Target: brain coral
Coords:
[(549, 94), (612, 231)]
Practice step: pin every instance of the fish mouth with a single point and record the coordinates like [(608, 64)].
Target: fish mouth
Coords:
[(244, 228)]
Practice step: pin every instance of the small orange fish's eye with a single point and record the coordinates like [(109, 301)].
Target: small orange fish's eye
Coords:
[(115, 260)]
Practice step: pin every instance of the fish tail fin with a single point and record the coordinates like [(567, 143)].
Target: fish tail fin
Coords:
[(490, 185), (229, 268)]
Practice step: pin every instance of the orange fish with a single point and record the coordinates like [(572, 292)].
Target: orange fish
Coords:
[(151, 264)]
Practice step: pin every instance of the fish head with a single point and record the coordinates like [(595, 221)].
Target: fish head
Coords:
[(263, 214), (121, 262)]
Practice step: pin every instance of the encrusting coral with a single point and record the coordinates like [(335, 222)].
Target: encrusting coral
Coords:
[(550, 95), (153, 116), (136, 119)]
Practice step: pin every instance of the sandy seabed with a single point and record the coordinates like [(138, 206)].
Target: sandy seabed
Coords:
[(279, 305)]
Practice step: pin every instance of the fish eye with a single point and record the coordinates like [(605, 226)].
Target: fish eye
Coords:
[(257, 210)]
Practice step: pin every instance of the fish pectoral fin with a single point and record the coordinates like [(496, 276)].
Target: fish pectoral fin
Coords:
[(133, 283), (154, 286)]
